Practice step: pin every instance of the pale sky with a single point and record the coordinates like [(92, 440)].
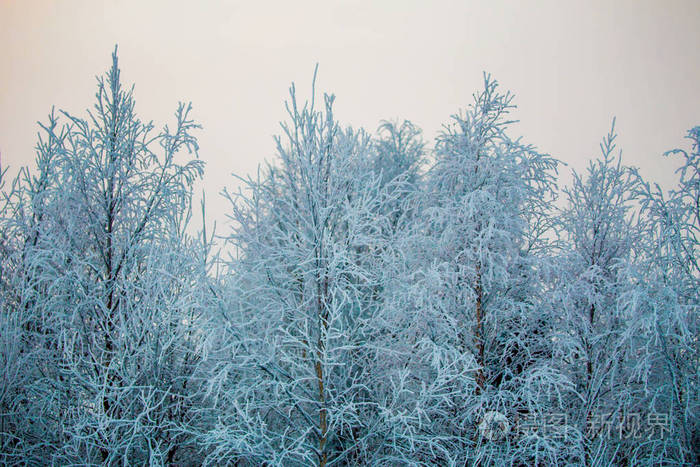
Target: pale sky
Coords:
[(572, 66)]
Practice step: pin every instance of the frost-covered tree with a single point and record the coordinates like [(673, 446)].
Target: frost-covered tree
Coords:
[(15, 355), (399, 153), (26, 397), (292, 385), (666, 295), (398, 159), (465, 321), (109, 289), (595, 340)]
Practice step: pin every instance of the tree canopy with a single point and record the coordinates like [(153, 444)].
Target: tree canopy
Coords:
[(384, 301)]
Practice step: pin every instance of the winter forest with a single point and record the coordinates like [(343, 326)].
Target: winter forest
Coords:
[(374, 299)]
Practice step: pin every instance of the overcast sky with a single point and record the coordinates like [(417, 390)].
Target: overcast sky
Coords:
[(571, 65)]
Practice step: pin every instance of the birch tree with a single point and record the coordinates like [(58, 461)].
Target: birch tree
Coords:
[(464, 318), (596, 339), (111, 286), (666, 294), (294, 390)]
